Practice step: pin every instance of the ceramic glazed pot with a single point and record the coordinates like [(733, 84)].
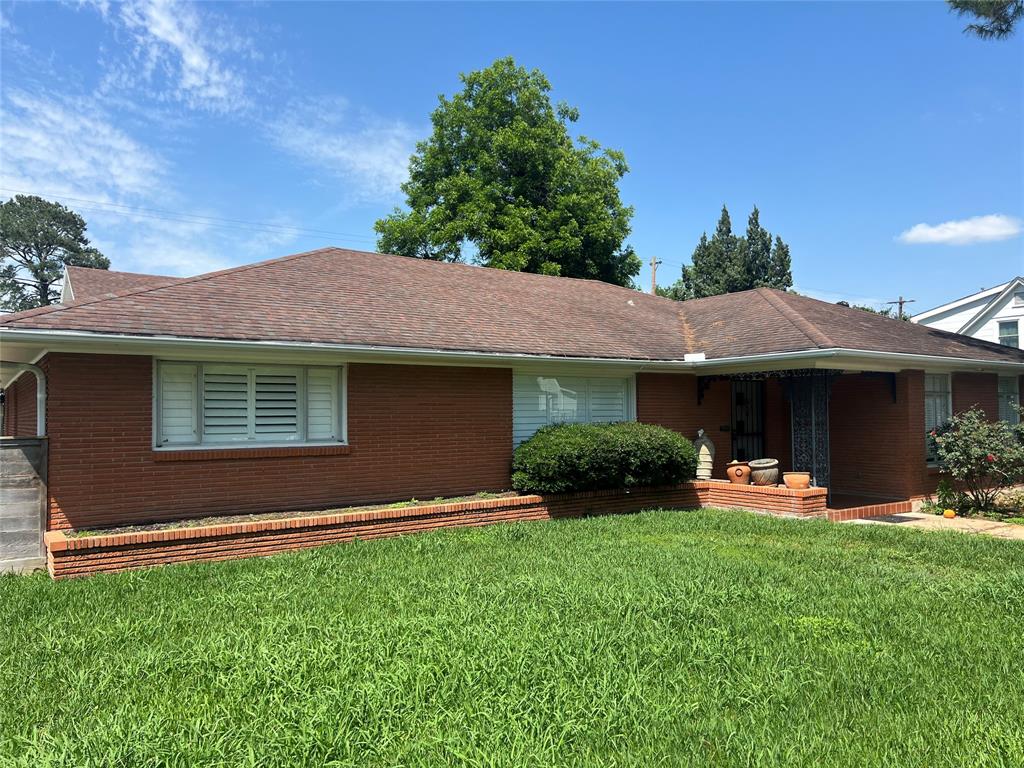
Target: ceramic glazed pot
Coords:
[(797, 479), (738, 472), (764, 471)]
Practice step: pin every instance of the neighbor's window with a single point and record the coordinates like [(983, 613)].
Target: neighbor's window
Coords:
[(938, 406), (1009, 399), (1008, 333), (539, 400), (207, 404)]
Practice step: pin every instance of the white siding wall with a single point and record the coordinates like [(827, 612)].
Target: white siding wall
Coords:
[(553, 397)]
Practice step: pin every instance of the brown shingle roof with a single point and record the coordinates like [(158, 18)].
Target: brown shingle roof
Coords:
[(340, 296), (88, 283)]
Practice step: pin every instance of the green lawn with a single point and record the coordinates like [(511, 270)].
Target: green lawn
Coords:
[(660, 639)]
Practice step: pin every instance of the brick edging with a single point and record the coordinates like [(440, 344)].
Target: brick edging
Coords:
[(69, 556)]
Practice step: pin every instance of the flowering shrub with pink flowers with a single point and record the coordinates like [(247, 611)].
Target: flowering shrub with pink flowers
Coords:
[(980, 457)]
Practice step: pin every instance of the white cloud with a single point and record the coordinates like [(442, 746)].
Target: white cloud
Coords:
[(368, 153), (180, 52), (979, 229), (63, 150), (60, 146)]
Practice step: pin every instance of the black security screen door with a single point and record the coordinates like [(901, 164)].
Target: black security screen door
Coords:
[(747, 420)]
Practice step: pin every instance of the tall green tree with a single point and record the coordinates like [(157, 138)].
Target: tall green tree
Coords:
[(756, 252), (996, 19), (38, 238), (780, 273), (501, 181), (727, 263)]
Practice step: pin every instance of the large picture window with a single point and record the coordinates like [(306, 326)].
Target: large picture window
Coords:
[(232, 404), (938, 406), (548, 398)]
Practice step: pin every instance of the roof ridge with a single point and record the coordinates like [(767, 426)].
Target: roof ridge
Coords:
[(55, 308), (802, 324), (528, 275), (125, 272)]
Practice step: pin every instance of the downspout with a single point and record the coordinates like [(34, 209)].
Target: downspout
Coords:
[(40, 392)]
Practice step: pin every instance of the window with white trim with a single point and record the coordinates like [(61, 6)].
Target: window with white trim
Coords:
[(1009, 399), (240, 404), (1009, 333), (938, 406), (547, 398)]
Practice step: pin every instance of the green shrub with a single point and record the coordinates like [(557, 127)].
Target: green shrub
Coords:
[(589, 457), (980, 457)]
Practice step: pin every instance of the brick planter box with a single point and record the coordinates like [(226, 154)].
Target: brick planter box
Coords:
[(69, 556)]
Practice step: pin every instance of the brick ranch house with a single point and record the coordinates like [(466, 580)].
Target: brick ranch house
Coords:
[(337, 377)]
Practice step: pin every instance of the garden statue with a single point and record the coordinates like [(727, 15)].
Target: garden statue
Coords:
[(705, 455)]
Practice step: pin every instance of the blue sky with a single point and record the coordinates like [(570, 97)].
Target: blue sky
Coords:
[(171, 127)]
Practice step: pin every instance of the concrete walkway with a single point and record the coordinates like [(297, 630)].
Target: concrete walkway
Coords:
[(929, 522)]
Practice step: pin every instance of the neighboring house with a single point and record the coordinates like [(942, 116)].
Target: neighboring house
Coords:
[(337, 377), (993, 314)]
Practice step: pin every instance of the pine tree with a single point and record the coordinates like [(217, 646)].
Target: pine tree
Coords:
[(38, 238), (781, 274), (757, 253), (727, 263)]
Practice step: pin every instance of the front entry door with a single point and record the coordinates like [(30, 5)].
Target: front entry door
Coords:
[(747, 420)]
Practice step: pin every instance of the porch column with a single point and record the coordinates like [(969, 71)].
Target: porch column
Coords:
[(809, 394), (36, 371)]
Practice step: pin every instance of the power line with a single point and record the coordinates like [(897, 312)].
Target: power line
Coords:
[(192, 218)]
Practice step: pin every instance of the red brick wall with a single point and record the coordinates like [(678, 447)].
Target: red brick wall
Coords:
[(82, 556), (980, 389), (20, 407), (878, 446), (670, 400), (413, 432)]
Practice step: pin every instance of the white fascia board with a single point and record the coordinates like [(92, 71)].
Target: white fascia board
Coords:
[(993, 291), (228, 350)]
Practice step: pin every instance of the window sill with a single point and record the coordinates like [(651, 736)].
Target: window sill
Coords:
[(207, 453)]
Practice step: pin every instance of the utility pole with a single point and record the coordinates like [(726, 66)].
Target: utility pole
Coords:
[(900, 302), (655, 261)]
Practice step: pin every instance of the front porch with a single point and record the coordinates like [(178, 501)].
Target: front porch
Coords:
[(860, 434)]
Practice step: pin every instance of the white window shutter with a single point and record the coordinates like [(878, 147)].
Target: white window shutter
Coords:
[(321, 404), (608, 400), (276, 415), (225, 404), (178, 403)]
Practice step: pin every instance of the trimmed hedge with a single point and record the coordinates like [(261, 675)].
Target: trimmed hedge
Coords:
[(589, 457)]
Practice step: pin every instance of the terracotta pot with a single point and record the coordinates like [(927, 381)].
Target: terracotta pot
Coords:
[(764, 471), (738, 472), (797, 479)]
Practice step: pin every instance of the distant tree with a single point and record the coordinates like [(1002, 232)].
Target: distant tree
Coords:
[(887, 312), (38, 238), (756, 251), (781, 272), (501, 178), (996, 19), (727, 263)]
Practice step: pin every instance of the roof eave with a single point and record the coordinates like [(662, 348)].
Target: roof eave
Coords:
[(32, 340)]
